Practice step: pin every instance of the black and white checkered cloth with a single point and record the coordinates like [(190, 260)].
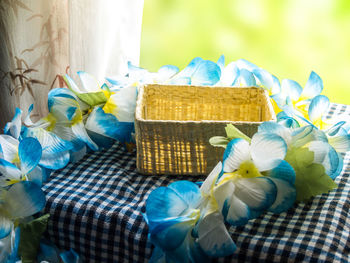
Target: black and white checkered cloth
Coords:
[(96, 204)]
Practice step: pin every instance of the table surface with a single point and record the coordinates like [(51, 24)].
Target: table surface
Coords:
[(96, 208)]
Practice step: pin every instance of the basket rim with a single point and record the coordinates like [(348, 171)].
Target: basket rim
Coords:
[(140, 96)]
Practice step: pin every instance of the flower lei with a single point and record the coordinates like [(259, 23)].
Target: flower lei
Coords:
[(285, 162)]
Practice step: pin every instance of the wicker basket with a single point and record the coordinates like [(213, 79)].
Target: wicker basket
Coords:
[(174, 124)]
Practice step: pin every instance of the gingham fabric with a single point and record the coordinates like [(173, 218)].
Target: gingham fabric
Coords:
[(96, 208)]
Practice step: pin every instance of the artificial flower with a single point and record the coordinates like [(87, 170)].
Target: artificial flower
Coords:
[(29, 155), (198, 72), (138, 76), (172, 214), (21, 200)]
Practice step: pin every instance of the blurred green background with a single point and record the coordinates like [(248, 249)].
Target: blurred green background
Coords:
[(288, 38)]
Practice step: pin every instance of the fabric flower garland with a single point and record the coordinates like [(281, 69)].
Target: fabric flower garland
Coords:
[(285, 162)]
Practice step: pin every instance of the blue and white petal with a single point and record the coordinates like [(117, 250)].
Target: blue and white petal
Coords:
[(36, 176), (6, 227), (211, 179), (221, 62), (166, 72), (29, 152), (285, 198), (55, 153), (326, 155), (206, 74), (263, 142), (314, 86), (70, 256), (24, 199), (266, 80), (213, 237), (9, 147), (340, 143), (292, 89), (237, 151), (13, 128), (234, 211), (188, 191), (80, 132), (318, 106), (102, 123), (190, 68), (6, 247), (171, 237), (229, 75), (9, 172), (245, 79), (125, 101), (276, 128), (258, 193), (283, 171), (164, 203), (245, 64), (89, 83)]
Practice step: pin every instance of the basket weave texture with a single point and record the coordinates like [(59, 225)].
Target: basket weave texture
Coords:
[(174, 124)]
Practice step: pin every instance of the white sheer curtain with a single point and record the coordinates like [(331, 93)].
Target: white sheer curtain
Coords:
[(41, 39)]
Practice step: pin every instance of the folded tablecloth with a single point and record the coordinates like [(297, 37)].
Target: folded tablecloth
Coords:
[(96, 208)]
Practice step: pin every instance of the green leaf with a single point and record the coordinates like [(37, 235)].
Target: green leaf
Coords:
[(232, 132), (219, 141), (311, 179), (92, 98), (30, 238)]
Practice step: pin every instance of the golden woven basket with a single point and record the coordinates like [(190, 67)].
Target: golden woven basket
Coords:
[(174, 124)]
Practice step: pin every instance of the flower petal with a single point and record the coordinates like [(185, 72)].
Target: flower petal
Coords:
[(245, 79), (188, 191), (172, 236), (267, 149), (245, 64), (318, 106), (71, 84), (24, 199), (210, 181), (221, 62), (107, 125), (285, 198), (70, 256), (122, 104), (266, 80), (213, 237), (235, 212), (9, 173), (283, 171), (55, 153), (89, 83), (229, 74), (314, 86), (276, 128), (6, 227), (6, 244), (340, 143), (206, 74), (80, 132), (166, 72), (9, 147), (236, 152), (326, 155), (13, 128), (258, 193), (190, 68), (29, 152), (163, 203), (292, 89), (36, 176)]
